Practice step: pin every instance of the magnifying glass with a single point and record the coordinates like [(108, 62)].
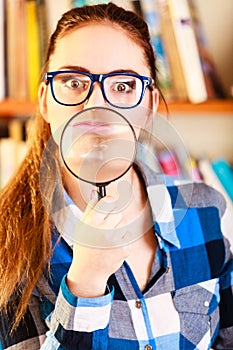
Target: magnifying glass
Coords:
[(98, 146)]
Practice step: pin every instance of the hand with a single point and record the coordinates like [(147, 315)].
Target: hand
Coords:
[(91, 266)]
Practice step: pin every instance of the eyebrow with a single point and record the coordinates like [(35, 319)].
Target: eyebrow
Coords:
[(82, 69)]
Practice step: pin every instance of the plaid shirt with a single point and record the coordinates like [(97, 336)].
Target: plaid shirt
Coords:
[(187, 303)]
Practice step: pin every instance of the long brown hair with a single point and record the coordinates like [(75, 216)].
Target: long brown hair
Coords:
[(25, 226)]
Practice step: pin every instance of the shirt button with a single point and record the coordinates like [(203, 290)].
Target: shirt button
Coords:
[(206, 304), (138, 304), (148, 347)]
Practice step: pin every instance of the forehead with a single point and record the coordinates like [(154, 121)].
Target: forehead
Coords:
[(99, 48)]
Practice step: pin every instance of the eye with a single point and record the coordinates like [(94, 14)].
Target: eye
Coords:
[(73, 82), (125, 86)]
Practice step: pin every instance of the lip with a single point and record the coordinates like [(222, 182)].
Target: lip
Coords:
[(93, 127)]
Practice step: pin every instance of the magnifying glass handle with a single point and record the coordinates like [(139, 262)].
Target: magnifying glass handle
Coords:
[(101, 191)]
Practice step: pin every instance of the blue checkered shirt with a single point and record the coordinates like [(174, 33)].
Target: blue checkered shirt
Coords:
[(187, 303)]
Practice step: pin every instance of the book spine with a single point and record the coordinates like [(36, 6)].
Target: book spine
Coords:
[(54, 11), (16, 50), (188, 50), (32, 49), (213, 82), (191, 169), (169, 163), (2, 52), (78, 3), (22, 92), (151, 15), (126, 4), (10, 47), (211, 179), (224, 173), (42, 28), (168, 37)]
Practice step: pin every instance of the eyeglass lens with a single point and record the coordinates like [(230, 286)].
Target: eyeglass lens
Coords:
[(73, 88)]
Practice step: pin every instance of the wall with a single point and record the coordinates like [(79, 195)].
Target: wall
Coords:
[(210, 135)]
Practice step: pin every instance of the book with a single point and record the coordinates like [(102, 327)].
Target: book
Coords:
[(2, 52), (188, 50), (132, 5), (137, 7), (21, 54), (11, 44), (179, 91), (169, 163), (42, 29), (224, 173), (54, 11), (213, 82), (150, 13), (191, 169), (32, 49), (78, 3), (126, 4), (16, 66)]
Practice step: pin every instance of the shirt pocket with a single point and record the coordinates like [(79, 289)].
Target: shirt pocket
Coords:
[(198, 310)]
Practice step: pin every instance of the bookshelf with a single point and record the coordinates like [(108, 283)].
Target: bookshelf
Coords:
[(11, 109), (205, 127), (208, 107)]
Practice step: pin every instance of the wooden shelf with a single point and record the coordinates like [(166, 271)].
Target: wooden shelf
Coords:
[(16, 109), (210, 107), (23, 109)]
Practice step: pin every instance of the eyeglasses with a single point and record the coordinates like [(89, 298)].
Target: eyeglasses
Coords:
[(121, 90)]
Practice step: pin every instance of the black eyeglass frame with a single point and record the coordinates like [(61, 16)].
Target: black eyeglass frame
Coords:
[(146, 82)]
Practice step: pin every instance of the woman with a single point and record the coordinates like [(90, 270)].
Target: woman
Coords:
[(168, 289)]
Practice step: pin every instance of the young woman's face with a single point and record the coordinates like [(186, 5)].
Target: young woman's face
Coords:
[(97, 49)]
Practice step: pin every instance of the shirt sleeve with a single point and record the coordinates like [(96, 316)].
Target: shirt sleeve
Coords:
[(30, 333), (224, 339), (74, 320)]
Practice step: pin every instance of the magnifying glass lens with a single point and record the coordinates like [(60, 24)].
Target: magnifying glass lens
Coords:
[(98, 145)]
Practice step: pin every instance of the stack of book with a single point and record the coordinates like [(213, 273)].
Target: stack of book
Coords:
[(186, 58), (186, 68), (217, 173)]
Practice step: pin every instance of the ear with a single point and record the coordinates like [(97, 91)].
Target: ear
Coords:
[(42, 92), (155, 100)]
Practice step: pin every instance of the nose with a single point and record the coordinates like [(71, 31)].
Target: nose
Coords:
[(96, 98)]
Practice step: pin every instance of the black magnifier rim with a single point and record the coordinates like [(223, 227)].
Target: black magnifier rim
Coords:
[(98, 184)]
